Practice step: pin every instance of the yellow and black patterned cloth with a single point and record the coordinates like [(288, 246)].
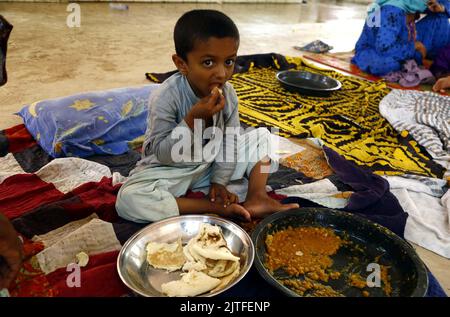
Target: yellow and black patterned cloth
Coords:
[(348, 121)]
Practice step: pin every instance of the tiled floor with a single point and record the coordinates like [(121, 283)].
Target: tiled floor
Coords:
[(47, 59)]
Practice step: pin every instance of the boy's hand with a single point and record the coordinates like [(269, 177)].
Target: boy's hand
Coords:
[(442, 84), (220, 192), (208, 106)]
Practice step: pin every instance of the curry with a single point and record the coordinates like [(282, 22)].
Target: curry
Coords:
[(303, 250), (305, 254)]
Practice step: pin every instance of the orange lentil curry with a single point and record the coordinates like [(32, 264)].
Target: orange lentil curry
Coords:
[(306, 252), (302, 250)]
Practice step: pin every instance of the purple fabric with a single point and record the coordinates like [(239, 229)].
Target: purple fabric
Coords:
[(371, 198), (441, 64), (411, 75)]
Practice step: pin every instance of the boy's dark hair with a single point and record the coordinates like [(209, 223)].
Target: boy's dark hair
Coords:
[(201, 25)]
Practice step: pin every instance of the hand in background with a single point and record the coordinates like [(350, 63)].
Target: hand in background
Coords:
[(442, 84), (435, 6), (421, 49)]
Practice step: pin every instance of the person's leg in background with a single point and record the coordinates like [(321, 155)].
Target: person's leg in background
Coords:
[(5, 30)]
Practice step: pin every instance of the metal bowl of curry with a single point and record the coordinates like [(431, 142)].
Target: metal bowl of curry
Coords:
[(322, 252)]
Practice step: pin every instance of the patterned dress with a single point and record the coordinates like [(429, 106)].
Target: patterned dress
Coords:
[(383, 49)]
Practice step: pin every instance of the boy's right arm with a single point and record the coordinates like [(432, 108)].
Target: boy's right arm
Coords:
[(163, 122)]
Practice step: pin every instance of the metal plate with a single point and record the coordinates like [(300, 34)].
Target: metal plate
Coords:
[(308, 83), (407, 272), (145, 280)]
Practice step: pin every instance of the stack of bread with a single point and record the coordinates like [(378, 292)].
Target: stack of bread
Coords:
[(206, 259)]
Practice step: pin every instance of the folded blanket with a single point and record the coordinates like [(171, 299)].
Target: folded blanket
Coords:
[(423, 115)]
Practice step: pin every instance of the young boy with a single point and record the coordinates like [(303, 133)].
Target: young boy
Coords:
[(193, 102)]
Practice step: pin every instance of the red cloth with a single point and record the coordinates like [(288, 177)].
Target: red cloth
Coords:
[(89, 198), (30, 280), (194, 195), (99, 198), (276, 196), (21, 193), (98, 278), (18, 138)]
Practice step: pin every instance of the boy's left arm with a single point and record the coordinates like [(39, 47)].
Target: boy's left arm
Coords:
[(223, 167)]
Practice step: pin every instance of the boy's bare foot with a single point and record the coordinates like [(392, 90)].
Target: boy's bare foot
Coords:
[(262, 205)]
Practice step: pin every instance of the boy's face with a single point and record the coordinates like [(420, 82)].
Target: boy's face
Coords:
[(210, 64)]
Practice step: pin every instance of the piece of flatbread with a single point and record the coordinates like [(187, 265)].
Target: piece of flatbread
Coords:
[(208, 252), (221, 268), (209, 243), (218, 89), (210, 264), (167, 256), (192, 283), (224, 281)]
